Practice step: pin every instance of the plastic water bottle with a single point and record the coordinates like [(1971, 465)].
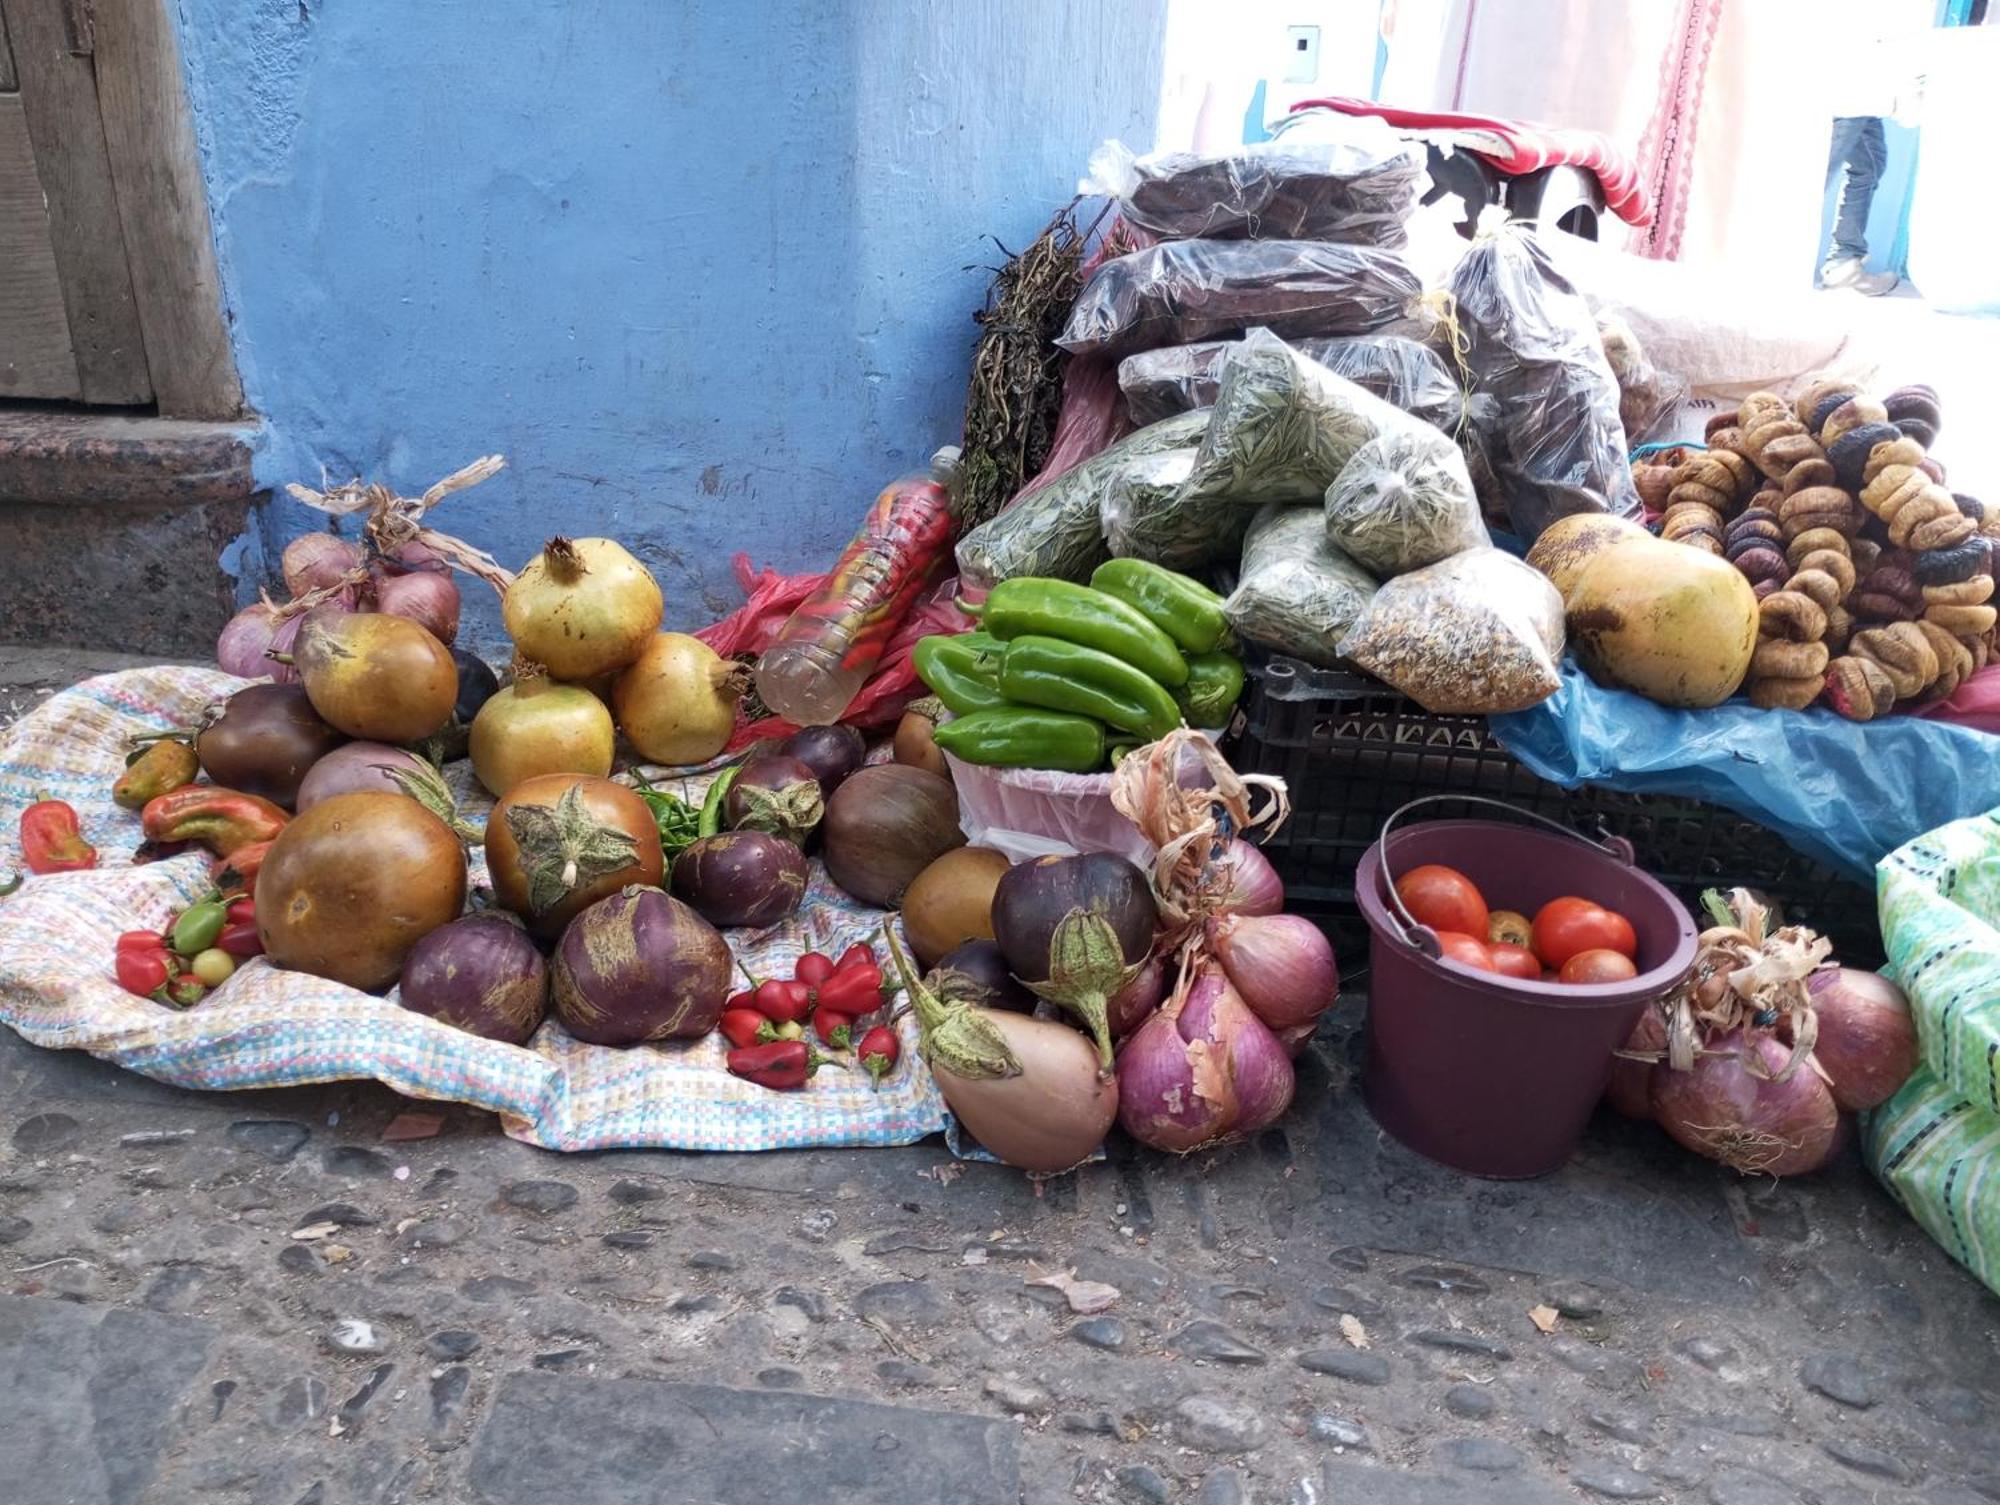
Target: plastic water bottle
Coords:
[(834, 640)]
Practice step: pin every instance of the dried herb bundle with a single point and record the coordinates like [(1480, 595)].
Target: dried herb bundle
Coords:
[(1016, 388)]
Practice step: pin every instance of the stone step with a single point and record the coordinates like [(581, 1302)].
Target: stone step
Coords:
[(114, 527)]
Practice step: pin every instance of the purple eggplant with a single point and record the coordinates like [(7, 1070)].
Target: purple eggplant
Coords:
[(481, 974), (778, 793), (748, 878), (639, 966), (831, 752)]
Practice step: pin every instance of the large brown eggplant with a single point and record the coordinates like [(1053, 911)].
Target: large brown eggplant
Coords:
[(265, 742)]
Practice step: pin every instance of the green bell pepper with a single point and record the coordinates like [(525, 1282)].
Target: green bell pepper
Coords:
[(1186, 610), (1215, 684), (961, 669), (1077, 614), (1060, 676), (1022, 737)]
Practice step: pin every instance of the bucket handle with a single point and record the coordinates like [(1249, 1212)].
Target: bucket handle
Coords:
[(1422, 936)]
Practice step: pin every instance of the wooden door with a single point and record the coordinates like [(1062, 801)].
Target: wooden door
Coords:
[(108, 288)]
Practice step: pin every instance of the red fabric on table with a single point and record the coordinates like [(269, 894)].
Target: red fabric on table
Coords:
[(1521, 146), (1975, 703)]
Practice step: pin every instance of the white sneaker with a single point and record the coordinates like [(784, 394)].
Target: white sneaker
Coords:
[(1875, 284), (1842, 271)]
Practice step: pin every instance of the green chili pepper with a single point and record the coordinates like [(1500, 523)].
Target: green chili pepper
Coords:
[(710, 823), (1078, 614), (961, 669), (1059, 676), (679, 822), (1215, 684), (1186, 610), (1019, 737), (199, 926)]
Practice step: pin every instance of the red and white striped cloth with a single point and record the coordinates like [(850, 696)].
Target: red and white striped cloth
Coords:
[(1519, 146)]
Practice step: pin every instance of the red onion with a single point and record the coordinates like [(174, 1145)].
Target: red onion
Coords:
[(1282, 966), (288, 632), (314, 561), (1721, 1109), (1127, 1008), (427, 597), (357, 766), (1254, 885), (1202, 1070), (240, 648), (1630, 1089), (1867, 1038)]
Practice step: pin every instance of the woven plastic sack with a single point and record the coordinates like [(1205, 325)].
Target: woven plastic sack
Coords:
[(1056, 531), (1186, 290), (1297, 594), (1360, 187), (266, 1027), (1939, 1155), (1552, 430), (1478, 634), (1401, 371)]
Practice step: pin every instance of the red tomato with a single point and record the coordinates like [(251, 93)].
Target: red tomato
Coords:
[(1466, 950), (1597, 966), (1515, 961), (142, 972), (1568, 925), (1444, 899)]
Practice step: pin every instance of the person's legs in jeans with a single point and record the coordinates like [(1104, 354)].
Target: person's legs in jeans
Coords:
[(1860, 146)]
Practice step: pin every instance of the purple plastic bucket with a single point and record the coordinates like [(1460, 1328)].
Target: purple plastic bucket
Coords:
[(1491, 1074)]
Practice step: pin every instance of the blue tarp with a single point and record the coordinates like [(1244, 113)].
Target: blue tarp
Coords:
[(1845, 792)]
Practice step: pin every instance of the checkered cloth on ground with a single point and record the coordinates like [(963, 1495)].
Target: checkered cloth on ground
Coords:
[(266, 1027)]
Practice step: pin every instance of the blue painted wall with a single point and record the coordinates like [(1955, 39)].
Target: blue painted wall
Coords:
[(702, 269)]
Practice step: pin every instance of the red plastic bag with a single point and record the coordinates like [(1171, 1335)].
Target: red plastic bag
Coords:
[(755, 625), (1974, 704)]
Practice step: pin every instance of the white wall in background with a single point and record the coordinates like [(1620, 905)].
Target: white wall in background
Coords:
[(1217, 54)]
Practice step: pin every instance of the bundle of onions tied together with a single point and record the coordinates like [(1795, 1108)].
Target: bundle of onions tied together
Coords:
[(1751, 1061), (401, 567), (1213, 1063)]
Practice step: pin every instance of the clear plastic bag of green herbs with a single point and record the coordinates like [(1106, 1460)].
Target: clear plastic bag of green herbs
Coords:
[(1056, 530), (1297, 595)]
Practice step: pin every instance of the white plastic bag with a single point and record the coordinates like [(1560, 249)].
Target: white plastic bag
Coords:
[(1404, 501), (1298, 595)]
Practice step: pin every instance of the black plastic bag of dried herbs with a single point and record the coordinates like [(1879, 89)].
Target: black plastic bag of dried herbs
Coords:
[(1549, 424)]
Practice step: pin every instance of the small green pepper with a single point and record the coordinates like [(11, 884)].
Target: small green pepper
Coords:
[(709, 823), (961, 669), (199, 926), (1077, 614), (1060, 676), (1186, 610), (1018, 737), (1215, 684)]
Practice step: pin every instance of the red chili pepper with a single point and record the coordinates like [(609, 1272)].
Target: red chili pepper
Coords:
[(142, 972), (859, 954), (747, 999), (243, 911), (52, 841), (185, 991), (784, 1066), (853, 991), (241, 939), (220, 819), (814, 968), (784, 1002), (878, 1052), (743, 1028), (142, 940), (835, 1029), (238, 871)]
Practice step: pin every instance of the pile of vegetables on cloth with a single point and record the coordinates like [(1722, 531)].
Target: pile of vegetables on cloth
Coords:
[(1756, 1059), (1052, 998)]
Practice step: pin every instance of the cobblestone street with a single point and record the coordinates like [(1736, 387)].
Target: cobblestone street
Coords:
[(332, 1296)]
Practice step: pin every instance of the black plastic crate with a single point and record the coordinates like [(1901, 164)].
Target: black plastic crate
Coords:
[(1353, 752)]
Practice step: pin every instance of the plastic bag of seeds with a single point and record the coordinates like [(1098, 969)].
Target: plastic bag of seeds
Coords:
[(1552, 429), (1404, 501), (1297, 594), (1283, 427), (1056, 530), (1401, 371), (1359, 186), (1476, 634), (1148, 515), (1184, 290)]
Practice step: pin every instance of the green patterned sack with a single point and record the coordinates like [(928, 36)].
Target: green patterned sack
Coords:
[(1936, 1144)]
